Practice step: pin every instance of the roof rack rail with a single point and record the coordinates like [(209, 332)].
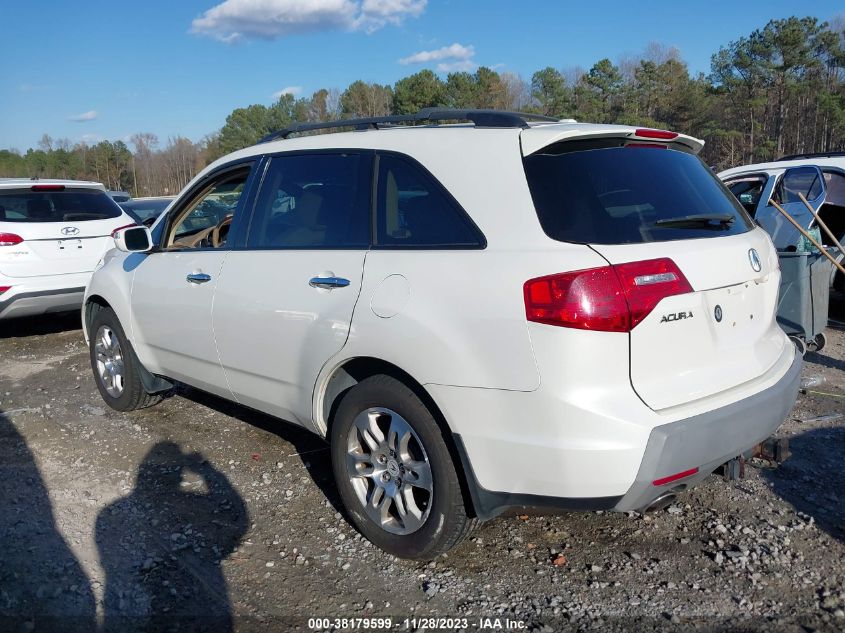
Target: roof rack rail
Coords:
[(811, 155), (481, 118)]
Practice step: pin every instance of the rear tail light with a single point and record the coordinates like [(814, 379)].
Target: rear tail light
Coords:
[(10, 239), (646, 283), (4, 289), (120, 228), (608, 299)]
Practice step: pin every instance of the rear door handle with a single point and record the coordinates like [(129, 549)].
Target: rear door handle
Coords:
[(198, 278), (328, 282)]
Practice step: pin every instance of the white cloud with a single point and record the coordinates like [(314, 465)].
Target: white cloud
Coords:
[(236, 20), (84, 117), (378, 13), (455, 57), (455, 52), (289, 90)]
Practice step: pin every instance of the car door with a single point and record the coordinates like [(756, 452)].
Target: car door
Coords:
[(283, 305), (805, 180), (173, 286)]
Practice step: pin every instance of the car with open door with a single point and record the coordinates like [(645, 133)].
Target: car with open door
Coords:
[(52, 235), (508, 312), (820, 178)]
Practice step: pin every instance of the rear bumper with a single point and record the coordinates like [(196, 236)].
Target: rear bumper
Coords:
[(708, 440), (31, 296), (588, 473)]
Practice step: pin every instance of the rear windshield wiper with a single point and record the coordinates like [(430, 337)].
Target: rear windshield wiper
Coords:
[(704, 220)]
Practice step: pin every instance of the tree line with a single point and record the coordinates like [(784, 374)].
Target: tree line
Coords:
[(780, 90)]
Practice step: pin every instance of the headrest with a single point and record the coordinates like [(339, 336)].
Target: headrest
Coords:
[(308, 208)]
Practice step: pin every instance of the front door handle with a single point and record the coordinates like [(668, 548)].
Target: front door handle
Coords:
[(328, 282), (198, 278)]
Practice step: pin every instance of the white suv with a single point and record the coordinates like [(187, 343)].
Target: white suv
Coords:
[(477, 317), (52, 234)]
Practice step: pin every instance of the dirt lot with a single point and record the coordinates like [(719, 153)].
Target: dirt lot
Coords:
[(198, 515)]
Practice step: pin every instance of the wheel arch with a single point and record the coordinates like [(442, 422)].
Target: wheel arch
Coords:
[(352, 371), (93, 304)]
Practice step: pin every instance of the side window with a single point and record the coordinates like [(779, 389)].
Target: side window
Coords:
[(804, 180), (205, 221), (415, 211), (314, 201), (748, 190)]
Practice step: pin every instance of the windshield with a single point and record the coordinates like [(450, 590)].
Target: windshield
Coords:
[(66, 205), (145, 209), (629, 195)]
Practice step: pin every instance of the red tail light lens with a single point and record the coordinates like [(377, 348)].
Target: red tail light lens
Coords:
[(665, 135), (649, 281), (48, 187), (120, 228), (608, 299), (10, 239), (4, 289), (585, 299)]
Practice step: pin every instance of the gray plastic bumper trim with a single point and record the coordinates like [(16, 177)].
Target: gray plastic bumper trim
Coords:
[(709, 440)]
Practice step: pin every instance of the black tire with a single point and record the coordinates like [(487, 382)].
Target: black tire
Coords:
[(819, 342), (133, 395), (447, 522)]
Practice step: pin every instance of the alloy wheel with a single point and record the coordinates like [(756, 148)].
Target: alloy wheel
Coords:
[(389, 470), (109, 359)]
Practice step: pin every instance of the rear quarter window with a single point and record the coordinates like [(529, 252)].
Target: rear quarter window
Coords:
[(629, 195), (415, 211), (67, 205)]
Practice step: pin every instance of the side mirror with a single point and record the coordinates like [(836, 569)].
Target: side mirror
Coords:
[(133, 239)]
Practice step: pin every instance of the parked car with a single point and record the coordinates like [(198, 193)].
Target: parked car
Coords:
[(819, 177), (119, 196), (52, 234), (146, 210), (477, 318)]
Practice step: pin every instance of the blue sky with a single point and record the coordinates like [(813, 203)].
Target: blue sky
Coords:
[(103, 69)]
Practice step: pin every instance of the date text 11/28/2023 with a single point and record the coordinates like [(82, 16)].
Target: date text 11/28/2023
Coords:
[(417, 623)]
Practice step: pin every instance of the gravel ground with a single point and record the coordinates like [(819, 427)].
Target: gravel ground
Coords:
[(199, 515)]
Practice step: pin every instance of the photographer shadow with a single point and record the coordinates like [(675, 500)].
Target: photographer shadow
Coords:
[(162, 546), (42, 584)]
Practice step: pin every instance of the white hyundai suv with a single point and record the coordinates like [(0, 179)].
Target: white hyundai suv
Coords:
[(52, 234), (509, 312)]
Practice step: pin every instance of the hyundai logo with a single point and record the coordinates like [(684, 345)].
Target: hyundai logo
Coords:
[(70, 230), (754, 258)]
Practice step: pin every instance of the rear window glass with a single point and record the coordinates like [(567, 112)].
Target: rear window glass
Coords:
[(629, 195), (67, 205)]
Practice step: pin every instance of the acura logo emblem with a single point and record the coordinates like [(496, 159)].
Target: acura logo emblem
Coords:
[(70, 230), (754, 258)]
